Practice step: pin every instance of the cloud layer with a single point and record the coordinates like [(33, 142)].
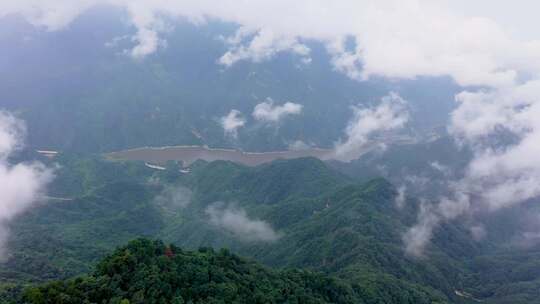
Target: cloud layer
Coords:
[(232, 122), (502, 127), (236, 221), (390, 114), (21, 184), (269, 113), (392, 38), (173, 198)]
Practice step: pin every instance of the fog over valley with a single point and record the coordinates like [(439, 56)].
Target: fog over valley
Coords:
[(269, 151)]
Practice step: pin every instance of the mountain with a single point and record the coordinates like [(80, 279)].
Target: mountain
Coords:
[(115, 203), (88, 97), (147, 271), (124, 122), (111, 203), (297, 213)]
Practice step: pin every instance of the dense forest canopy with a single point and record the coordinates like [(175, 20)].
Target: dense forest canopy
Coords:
[(147, 271), (307, 215)]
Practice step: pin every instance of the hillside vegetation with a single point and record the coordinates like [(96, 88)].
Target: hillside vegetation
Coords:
[(317, 218), (147, 271)]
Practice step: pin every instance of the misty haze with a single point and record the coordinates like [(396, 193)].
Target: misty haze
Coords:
[(346, 151)]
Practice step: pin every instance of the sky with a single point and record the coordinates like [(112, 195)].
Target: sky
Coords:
[(519, 17), (490, 48)]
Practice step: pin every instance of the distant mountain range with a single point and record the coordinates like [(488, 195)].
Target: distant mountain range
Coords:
[(88, 97)]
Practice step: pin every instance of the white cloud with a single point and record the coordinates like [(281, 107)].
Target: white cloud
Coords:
[(11, 131), (148, 26), (506, 173), (478, 232), (429, 217), (236, 221), (390, 114), (401, 196), (299, 145), (172, 198), (52, 14), (418, 236), (268, 112), (264, 45), (22, 183), (444, 170), (231, 122), (502, 128), (393, 38), (147, 43)]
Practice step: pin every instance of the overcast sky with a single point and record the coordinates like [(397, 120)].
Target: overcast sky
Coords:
[(519, 17), (395, 39)]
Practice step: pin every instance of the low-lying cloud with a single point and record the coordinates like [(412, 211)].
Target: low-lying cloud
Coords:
[(21, 184), (232, 122), (262, 45), (501, 127), (268, 112), (236, 221), (173, 198), (396, 39), (418, 236), (401, 196), (299, 145), (390, 114)]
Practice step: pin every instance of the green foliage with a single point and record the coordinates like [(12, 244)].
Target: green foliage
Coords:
[(327, 223), (142, 272), (267, 184), (101, 205)]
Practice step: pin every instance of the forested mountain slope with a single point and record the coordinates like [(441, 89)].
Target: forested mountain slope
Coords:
[(288, 213), (147, 271)]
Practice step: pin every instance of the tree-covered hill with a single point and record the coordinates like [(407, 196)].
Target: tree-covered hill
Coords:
[(289, 213), (147, 271), (111, 203)]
